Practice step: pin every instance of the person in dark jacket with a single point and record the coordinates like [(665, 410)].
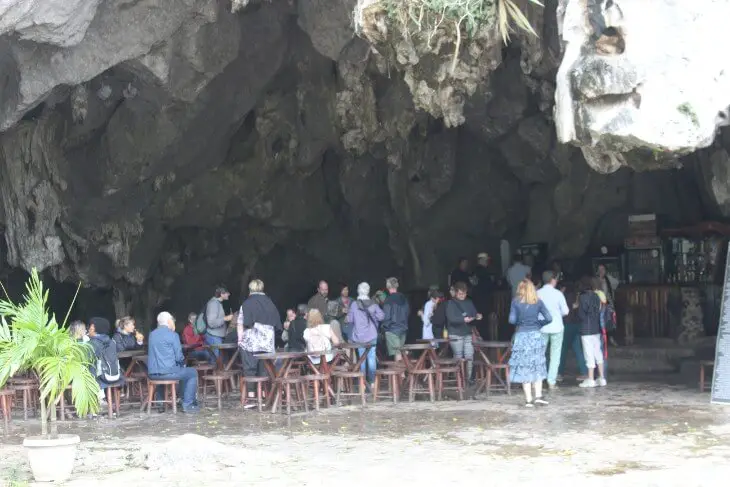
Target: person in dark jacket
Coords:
[(528, 364), (460, 317), (296, 329), (395, 322), (127, 338), (438, 320), (165, 361), (589, 317), (258, 322), (100, 342)]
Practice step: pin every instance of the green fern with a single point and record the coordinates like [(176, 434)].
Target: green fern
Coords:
[(31, 340)]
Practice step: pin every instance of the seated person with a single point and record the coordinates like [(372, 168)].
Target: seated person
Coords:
[(319, 336), (127, 337), (190, 338), (77, 330), (165, 361), (105, 366), (295, 329)]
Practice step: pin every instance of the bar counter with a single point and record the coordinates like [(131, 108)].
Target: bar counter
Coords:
[(679, 311)]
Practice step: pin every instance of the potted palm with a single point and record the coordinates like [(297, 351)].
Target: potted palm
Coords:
[(32, 341)]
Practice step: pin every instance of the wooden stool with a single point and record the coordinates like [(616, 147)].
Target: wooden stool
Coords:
[(113, 398), (169, 386), (413, 389), (345, 385), (219, 381), (446, 383), (392, 364), (62, 403), (299, 391), (29, 396), (243, 381), (392, 380), (132, 383), (317, 380), (703, 365), (6, 405)]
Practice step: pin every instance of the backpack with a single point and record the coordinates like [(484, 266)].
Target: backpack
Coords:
[(107, 364), (201, 322)]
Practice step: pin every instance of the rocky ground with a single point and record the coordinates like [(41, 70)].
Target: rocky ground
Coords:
[(640, 434)]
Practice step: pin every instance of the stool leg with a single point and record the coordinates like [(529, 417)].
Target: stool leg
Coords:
[(148, 403), (376, 388), (25, 405), (288, 399), (362, 390), (411, 392), (489, 380), (506, 381), (338, 387), (4, 404), (316, 395), (117, 399), (702, 378), (259, 401), (242, 387), (431, 391), (395, 388), (218, 392), (439, 384), (173, 390)]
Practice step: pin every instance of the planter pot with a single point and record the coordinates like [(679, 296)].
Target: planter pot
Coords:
[(51, 459)]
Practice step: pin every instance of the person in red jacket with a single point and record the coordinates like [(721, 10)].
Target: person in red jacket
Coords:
[(190, 338)]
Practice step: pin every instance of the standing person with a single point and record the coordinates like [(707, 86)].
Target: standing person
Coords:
[(395, 322), (434, 296), (461, 273), (343, 308), (365, 316), (608, 285), (438, 320), (258, 320), (589, 316), (319, 337), (127, 338), (165, 361), (484, 286), (527, 362), (571, 336), (460, 316), (554, 301), (517, 272), (333, 310), (216, 319), (319, 300), (190, 338)]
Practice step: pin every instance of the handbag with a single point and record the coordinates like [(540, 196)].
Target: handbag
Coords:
[(258, 338)]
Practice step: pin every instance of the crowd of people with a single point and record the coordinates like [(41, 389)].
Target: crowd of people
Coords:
[(546, 324)]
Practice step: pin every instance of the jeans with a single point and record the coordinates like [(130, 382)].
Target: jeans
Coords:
[(370, 363), (188, 383), (572, 339), (213, 340), (555, 343), (462, 347), (203, 356)]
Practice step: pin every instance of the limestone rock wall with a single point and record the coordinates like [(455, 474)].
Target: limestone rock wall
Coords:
[(159, 148)]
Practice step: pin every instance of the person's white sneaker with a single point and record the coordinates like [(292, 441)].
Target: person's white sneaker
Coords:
[(587, 383), (602, 382)]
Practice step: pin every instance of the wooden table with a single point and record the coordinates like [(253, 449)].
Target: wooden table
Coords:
[(137, 357), (286, 364), (354, 365), (429, 354), (219, 360), (440, 343), (482, 347)]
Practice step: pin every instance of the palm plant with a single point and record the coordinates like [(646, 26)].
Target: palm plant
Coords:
[(31, 340)]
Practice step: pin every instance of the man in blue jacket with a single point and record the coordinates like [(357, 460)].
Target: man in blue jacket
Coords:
[(165, 361)]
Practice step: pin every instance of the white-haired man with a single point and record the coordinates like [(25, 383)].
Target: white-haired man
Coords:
[(165, 361)]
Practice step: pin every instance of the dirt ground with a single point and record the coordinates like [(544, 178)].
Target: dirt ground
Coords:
[(641, 434)]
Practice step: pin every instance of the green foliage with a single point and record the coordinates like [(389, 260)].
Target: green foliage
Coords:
[(32, 340), (686, 110), (428, 16)]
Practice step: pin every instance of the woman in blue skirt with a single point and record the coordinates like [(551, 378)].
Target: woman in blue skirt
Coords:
[(527, 362)]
